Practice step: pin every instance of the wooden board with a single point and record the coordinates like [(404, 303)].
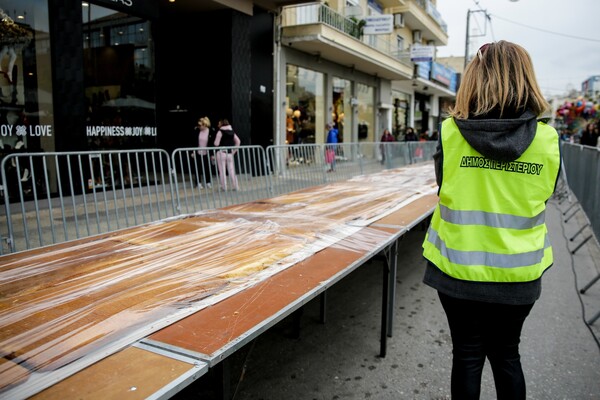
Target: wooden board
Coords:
[(132, 374), (214, 332)]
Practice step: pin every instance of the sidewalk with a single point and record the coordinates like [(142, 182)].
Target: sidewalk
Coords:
[(339, 360)]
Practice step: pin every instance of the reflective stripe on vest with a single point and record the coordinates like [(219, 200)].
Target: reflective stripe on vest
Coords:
[(490, 219), (487, 258), (489, 223)]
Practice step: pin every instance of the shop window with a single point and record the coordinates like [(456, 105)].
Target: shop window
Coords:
[(119, 79), (401, 113), (342, 108), (26, 122), (366, 113), (305, 99)]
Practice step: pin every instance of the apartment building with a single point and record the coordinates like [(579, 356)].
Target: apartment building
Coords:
[(349, 62)]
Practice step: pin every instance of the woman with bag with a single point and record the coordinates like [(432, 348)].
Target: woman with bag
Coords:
[(226, 137)]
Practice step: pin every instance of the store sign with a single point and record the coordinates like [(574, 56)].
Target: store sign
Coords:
[(379, 24), (116, 131), (421, 53), (374, 4), (141, 8), (423, 69), (441, 73), (25, 130)]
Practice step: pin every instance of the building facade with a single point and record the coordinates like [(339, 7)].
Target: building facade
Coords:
[(113, 74)]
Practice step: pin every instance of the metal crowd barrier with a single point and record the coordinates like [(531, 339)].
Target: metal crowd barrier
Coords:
[(55, 197), (582, 170), (202, 180), (582, 167), (295, 167)]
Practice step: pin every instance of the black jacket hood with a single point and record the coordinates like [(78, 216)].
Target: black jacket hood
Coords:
[(500, 139)]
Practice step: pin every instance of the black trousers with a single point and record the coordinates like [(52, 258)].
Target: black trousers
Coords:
[(483, 330)]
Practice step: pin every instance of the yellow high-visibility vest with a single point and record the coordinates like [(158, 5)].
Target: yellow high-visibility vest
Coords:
[(489, 224)]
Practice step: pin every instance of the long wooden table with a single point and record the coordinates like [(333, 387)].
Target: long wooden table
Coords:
[(319, 236)]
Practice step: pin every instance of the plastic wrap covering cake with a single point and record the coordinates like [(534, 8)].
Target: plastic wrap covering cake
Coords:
[(66, 306)]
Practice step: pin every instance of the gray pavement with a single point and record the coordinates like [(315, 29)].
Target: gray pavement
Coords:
[(340, 359)]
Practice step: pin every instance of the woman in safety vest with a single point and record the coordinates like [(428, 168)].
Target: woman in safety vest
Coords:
[(487, 245)]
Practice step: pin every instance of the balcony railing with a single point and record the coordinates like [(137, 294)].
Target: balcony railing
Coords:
[(430, 9), (316, 13)]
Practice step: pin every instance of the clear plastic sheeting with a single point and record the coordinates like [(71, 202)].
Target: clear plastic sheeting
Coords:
[(66, 306)]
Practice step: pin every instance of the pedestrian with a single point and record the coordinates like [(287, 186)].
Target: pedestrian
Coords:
[(203, 157), (386, 137), (487, 244), (332, 140), (230, 142), (588, 137), (410, 135)]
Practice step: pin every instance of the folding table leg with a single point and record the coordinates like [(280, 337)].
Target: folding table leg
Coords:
[(296, 322), (392, 261), (384, 310), (223, 373), (389, 295), (323, 308)]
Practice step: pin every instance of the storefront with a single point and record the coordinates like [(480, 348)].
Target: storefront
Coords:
[(325, 92), (76, 80), (119, 71), (26, 109), (107, 74), (123, 74), (306, 100)]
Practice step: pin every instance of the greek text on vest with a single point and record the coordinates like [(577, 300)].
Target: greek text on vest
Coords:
[(509, 166)]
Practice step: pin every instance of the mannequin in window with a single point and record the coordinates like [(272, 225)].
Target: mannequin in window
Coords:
[(9, 50), (13, 38)]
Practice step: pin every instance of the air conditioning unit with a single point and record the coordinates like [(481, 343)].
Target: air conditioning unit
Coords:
[(417, 36), (399, 20)]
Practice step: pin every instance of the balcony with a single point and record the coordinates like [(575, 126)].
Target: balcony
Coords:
[(423, 16), (317, 29)]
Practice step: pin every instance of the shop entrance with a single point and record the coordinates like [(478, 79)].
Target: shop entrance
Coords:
[(341, 115)]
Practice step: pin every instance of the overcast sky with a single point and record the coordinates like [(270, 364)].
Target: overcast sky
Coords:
[(562, 36)]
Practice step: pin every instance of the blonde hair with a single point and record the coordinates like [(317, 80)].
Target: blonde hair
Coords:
[(501, 79), (204, 121)]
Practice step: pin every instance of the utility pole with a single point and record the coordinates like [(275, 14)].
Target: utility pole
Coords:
[(468, 34), (467, 39)]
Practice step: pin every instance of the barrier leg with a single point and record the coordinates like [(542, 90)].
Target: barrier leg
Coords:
[(572, 215), (578, 232), (593, 319), (569, 209), (589, 285), (581, 244)]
